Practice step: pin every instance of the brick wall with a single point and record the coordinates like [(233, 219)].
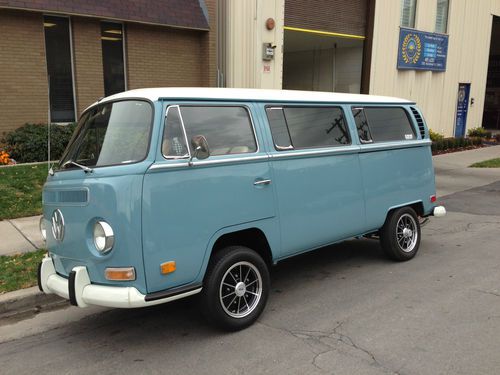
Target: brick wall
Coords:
[(161, 56), (340, 16), (156, 56), (89, 80), (23, 72)]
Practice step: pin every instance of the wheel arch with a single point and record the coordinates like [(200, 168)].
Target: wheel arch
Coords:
[(261, 236), (417, 206), (253, 238)]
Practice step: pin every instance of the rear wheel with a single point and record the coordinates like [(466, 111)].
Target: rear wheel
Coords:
[(236, 288), (400, 235)]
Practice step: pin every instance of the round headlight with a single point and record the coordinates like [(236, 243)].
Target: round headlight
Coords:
[(43, 230), (104, 238)]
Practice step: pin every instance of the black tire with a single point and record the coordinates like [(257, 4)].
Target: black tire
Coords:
[(397, 236), (230, 265)]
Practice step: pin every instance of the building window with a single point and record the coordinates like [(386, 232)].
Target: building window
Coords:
[(112, 57), (408, 13), (442, 16), (59, 69)]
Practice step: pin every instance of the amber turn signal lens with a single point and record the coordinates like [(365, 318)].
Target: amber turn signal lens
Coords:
[(167, 267), (120, 274)]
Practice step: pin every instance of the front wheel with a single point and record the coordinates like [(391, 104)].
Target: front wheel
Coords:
[(400, 235), (236, 288)]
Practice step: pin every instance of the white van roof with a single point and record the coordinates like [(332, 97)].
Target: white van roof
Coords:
[(205, 93)]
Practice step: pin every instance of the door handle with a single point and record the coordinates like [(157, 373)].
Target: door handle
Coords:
[(261, 182)]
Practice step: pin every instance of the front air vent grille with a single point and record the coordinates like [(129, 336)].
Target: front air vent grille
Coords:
[(66, 197), (420, 122)]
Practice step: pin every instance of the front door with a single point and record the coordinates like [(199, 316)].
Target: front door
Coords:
[(184, 206), (462, 109)]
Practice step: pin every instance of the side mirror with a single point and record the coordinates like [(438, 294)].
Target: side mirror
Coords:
[(201, 149)]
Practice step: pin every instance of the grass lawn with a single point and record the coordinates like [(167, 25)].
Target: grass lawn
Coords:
[(21, 190), (19, 271), (492, 163)]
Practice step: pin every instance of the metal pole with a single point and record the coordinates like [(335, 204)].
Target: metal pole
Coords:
[(48, 123)]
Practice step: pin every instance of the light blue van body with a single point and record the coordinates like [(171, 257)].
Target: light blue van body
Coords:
[(167, 210)]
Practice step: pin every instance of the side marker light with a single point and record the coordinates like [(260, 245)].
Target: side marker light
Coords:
[(167, 267)]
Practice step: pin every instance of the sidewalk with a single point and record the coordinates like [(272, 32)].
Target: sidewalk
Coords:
[(453, 173), (20, 235)]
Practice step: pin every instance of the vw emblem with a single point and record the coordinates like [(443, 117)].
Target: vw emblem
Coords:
[(58, 225)]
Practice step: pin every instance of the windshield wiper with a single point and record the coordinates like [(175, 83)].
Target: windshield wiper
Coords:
[(84, 167)]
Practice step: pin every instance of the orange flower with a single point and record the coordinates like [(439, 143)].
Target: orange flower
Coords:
[(4, 158)]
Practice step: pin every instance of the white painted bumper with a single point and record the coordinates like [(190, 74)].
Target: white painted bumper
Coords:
[(100, 295), (439, 211)]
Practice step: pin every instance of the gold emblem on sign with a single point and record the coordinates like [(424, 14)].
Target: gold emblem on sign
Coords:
[(411, 48)]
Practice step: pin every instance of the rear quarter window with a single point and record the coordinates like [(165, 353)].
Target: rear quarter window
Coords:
[(388, 124)]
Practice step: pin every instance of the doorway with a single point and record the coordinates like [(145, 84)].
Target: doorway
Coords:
[(315, 62), (491, 114)]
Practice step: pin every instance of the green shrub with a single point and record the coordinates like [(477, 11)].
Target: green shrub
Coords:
[(29, 142), (446, 144), (435, 136), (476, 141), (438, 145), (478, 132), (454, 143)]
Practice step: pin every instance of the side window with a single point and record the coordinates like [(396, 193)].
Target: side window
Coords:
[(362, 125), (174, 141), (228, 130), (308, 127), (389, 124)]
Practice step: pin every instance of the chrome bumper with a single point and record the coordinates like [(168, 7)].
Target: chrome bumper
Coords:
[(79, 290)]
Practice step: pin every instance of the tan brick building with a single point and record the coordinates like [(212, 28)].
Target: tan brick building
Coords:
[(77, 51)]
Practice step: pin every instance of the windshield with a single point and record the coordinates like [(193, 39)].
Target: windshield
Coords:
[(110, 134)]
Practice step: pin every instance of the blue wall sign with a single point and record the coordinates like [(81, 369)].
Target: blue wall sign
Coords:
[(462, 109), (422, 50)]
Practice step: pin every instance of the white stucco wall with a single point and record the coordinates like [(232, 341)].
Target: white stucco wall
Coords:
[(469, 29), (245, 33)]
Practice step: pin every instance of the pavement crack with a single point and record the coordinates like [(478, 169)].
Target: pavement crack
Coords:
[(317, 341), (342, 337), (487, 292)]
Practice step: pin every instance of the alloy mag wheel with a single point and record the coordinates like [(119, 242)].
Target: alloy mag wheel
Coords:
[(406, 233), (240, 289)]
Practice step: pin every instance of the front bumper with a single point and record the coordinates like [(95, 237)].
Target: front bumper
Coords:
[(81, 292)]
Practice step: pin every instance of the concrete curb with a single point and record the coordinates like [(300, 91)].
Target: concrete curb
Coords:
[(26, 302)]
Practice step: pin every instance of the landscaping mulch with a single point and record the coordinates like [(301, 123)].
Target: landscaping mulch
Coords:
[(458, 149)]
